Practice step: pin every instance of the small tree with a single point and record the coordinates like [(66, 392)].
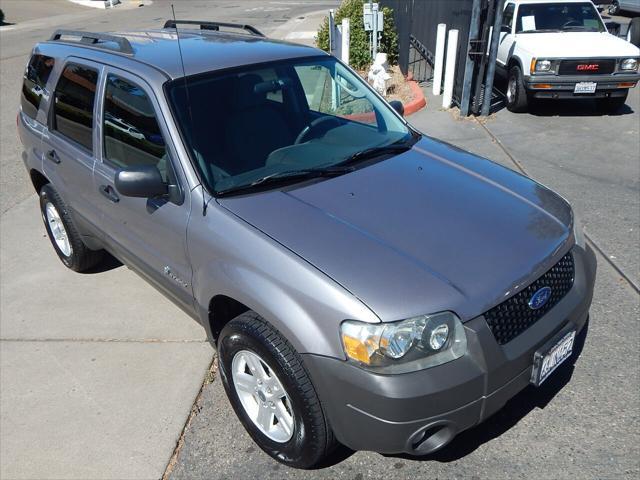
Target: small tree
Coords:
[(359, 54)]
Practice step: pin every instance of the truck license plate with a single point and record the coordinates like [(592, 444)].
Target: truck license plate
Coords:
[(546, 361), (585, 87)]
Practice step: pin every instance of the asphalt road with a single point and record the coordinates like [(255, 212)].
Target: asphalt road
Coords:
[(583, 423)]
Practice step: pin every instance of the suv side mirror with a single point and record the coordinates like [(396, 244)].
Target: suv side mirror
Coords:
[(142, 181), (613, 28), (397, 106)]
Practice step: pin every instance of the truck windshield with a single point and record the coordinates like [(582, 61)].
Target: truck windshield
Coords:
[(558, 17), (282, 122)]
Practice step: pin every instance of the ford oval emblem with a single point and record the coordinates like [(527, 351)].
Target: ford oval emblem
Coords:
[(540, 298)]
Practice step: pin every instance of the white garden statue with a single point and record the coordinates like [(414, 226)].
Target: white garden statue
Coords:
[(378, 75)]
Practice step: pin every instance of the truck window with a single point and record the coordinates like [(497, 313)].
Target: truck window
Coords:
[(35, 80), (507, 17), (73, 108), (132, 135)]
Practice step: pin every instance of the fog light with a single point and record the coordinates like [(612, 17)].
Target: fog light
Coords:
[(439, 336)]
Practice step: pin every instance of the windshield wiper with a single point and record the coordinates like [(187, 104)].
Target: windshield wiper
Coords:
[(579, 28), (374, 152), (289, 175)]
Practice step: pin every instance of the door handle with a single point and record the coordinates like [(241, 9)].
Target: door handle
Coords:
[(109, 192), (53, 156)]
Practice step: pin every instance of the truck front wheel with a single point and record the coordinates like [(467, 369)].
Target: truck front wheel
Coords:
[(517, 97)]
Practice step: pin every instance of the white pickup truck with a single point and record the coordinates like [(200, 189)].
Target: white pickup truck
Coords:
[(557, 49)]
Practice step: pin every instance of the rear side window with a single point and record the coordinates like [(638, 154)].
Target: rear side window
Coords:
[(35, 81), (74, 99), (132, 135)]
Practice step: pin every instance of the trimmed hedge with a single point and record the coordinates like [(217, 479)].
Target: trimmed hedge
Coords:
[(359, 55)]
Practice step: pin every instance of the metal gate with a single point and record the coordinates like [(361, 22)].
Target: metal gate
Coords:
[(417, 22)]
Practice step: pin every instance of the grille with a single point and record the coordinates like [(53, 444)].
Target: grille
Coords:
[(582, 67), (514, 316)]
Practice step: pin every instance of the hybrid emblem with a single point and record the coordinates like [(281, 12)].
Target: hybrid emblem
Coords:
[(540, 298)]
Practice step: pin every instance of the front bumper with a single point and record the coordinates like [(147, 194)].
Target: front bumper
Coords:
[(562, 86), (420, 412)]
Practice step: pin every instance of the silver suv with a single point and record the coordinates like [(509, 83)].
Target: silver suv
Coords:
[(364, 284)]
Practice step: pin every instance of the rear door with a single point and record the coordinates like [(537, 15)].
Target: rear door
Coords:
[(69, 141), (148, 233)]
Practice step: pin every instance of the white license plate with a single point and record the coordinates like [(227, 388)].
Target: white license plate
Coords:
[(546, 361), (585, 87)]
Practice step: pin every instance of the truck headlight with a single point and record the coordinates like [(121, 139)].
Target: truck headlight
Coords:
[(629, 64), (406, 346), (540, 66), (578, 231)]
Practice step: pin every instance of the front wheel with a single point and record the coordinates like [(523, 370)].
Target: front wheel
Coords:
[(517, 97), (272, 394), (612, 104)]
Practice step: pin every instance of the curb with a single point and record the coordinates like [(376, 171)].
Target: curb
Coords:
[(419, 101)]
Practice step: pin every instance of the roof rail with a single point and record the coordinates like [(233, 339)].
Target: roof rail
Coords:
[(213, 26), (93, 39)]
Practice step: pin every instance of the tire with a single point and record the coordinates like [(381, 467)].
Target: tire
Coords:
[(612, 104), (311, 439), (633, 35), (614, 8), (66, 240), (517, 96)]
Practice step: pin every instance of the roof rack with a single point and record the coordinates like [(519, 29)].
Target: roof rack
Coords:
[(93, 39), (213, 26)]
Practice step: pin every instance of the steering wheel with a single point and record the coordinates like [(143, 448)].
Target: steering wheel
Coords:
[(313, 125), (572, 23)]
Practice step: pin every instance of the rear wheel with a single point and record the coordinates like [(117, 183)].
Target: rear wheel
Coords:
[(517, 97), (612, 104), (63, 234), (272, 394)]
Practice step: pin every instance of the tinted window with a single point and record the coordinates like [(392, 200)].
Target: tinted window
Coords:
[(507, 18), (35, 81), (74, 99), (540, 17), (132, 135)]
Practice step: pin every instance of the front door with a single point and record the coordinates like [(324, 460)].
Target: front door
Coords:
[(507, 37), (147, 233)]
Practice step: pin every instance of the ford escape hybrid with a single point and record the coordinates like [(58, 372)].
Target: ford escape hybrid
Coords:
[(364, 284)]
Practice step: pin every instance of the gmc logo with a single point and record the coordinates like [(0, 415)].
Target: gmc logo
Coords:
[(591, 67)]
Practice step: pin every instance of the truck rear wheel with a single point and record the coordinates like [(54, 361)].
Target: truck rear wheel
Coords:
[(517, 97)]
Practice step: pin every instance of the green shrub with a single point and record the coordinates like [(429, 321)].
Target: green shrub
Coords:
[(359, 54)]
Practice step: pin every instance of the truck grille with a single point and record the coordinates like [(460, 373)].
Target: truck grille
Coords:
[(602, 66), (513, 316)]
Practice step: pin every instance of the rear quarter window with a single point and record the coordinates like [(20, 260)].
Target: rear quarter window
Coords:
[(34, 83), (73, 107)]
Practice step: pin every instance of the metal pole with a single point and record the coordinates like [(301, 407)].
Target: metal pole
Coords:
[(374, 33), (474, 28), (331, 27), (437, 73), (475, 107), (450, 68), (493, 54)]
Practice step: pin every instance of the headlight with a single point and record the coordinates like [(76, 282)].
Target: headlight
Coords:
[(629, 64), (540, 66), (405, 346), (578, 231)]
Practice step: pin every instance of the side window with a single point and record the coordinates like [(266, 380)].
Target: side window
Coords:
[(507, 17), (74, 99), (334, 95), (35, 81), (132, 135)]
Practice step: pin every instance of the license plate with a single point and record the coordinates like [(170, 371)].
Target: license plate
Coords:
[(585, 87), (545, 361)]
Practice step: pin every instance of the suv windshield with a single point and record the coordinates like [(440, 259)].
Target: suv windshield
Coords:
[(282, 122), (557, 17)]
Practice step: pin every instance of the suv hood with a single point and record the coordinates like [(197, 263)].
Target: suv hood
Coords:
[(432, 229), (576, 45)]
